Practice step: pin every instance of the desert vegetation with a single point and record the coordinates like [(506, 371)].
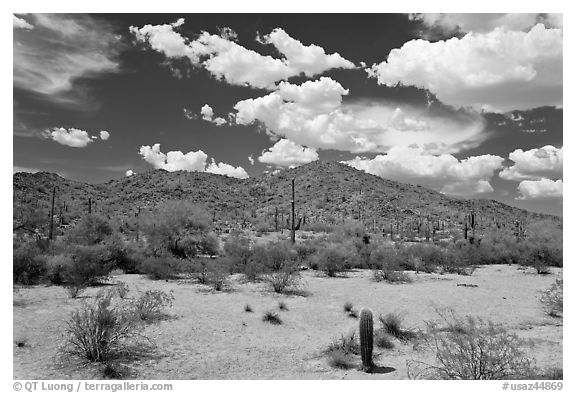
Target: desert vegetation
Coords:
[(177, 244)]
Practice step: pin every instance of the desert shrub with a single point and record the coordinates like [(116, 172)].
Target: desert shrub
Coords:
[(473, 349), (348, 306), (209, 244), (348, 344), (177, 227), (279, 264), (237, 250), (98, 330), (125, 256), (90, 264), (306, 249), (282, 306), (332, 259), (553, 299), (29, 266), (248, 308), (91, 229), (272, 317), (280, 281), (161, 268), (212, 272), (339, 359), (151, 305), (390, 275), (392, 325), (56, 267), (382, 340)]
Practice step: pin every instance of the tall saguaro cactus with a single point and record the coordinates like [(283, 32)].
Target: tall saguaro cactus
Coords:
[(366, 339), (293, 229)]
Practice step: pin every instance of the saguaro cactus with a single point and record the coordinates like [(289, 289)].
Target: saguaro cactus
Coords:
[(366, 339)]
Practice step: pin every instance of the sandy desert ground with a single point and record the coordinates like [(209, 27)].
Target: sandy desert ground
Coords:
[(210, 336)]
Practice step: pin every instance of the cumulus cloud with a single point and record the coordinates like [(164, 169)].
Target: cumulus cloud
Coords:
[(104, 135), (72, 137), (483, 23), (312, 114), (193, 161), (288, 153), (444, 173), (251, 159), (226, 170), (534, 164), (207, 114), (498, 71), (130, 172), (540, 189), (227, 60), (20, 23), (61, 49)]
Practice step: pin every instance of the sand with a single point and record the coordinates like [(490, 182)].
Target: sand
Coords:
[(210, 336)]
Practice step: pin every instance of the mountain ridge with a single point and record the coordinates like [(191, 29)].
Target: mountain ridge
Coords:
[(326, 192)]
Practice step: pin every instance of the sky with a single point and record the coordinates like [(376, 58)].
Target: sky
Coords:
[(467, 104)]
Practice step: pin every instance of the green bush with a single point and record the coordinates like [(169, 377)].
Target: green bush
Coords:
[(90, 264), (90, 230), (177, 227), (29, 266), (161, 268), (237, 250), (332, 259)]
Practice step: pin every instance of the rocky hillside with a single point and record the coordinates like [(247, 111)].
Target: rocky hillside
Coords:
[(326, 192)]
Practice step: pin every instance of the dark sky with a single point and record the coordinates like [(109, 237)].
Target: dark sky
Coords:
[(441, 118)]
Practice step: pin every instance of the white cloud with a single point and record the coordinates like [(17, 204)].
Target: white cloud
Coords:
[(193, 161), (251, 159), (226, 170), (540, 189), (104, 135), (499, 71), (443, 172), (229, 61), (483, 23), (130, 172), (61, 49), (534, 164), (312, 114), (287, 153), (310, 60), (207, 114), (72, 137), (20, 23)]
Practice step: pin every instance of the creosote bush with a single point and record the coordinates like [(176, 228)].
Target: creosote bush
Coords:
[(150, 306), (470, 348), (553, 299), (99, 329)]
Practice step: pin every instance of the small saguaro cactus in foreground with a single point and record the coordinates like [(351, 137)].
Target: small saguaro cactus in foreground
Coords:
[(366, 339)]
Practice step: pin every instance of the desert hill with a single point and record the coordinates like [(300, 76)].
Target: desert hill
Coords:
[(326, 192)]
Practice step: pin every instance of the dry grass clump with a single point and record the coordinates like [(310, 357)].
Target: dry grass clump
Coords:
[(272, 317), (392, 325), (340, 352)]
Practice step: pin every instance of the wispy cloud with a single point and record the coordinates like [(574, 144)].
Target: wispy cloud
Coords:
[(61, 49)]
